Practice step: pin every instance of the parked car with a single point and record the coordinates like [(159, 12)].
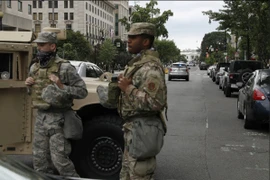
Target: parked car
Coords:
[(11, 169), (239, 72), (219, 74), (253, 103), (216, 70), (178, 71), (222, 78), (209, 69)]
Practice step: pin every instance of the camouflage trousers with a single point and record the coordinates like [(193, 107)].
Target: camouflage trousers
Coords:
[(50, 149), (133, 169)]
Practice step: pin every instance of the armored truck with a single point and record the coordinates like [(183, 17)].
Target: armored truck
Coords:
[(98, 154)]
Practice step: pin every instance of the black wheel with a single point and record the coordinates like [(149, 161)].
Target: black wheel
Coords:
[(213, 78), (99, 153), (248, 124), (227, 91), (239, 114), (244, 75), (187, 78), (219, 86), (169, 78)]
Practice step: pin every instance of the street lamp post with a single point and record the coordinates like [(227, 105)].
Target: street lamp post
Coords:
[(1, 17)]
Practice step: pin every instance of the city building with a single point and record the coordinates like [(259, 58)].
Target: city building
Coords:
[(93, 18), (16, 15), (121, 11), (191, 54)]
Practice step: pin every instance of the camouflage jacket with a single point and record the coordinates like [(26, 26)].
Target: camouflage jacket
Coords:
[(148, 92), (74, 86)]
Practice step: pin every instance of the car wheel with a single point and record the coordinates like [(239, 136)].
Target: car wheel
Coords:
[(99, 153), (247, 124), (187, 78), (169, 78), (219, 86), (227, 91), (239, 114)]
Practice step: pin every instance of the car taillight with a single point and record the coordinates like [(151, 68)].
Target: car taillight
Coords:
[(231, 76), (170, 69), (187, 69), (258, 95)]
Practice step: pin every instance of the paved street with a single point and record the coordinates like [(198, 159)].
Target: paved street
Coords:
[(205, 140)]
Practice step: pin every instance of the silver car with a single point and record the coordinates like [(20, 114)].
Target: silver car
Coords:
[(178, 71)]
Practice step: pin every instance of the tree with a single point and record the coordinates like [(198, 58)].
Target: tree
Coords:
[(81, 49), (249, 20), (149, 14), (168, 52), (107, 53)]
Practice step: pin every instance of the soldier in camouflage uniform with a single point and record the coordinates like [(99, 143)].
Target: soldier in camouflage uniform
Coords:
[(53, 84), (142, 101)]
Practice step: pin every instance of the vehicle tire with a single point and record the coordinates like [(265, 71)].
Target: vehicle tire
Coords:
[(239, 114), (219, 86), (217, 81), (99, 153), (247, 124), (227, 91), (187, 78), (244, 75), (169, 78), (213, 78)]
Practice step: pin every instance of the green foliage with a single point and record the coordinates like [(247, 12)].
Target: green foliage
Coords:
[(107, 52), (168, 52), (217, 40), (249, 20), (149, 14), (75, 47)]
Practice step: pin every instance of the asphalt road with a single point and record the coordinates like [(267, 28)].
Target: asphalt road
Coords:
[(205, 139)]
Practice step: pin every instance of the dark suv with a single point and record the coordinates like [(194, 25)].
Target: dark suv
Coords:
[(239, 71), (216, 70)]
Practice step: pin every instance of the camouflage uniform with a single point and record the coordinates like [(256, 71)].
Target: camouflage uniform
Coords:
[(145, 98), (51, 149)]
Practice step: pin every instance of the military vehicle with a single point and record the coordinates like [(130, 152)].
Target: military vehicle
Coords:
[(97, 155)]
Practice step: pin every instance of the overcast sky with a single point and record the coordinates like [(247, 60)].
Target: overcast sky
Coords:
[(188, 25)]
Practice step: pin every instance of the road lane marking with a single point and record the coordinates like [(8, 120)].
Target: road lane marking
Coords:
[(206, 123), (257, 168)]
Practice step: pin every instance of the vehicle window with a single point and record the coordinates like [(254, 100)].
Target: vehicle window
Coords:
[(179, 66), (241, 65), (99, 72), (90, 72)]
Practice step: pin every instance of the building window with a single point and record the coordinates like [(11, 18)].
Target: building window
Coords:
[(86, 6), (34, 4), (68, 26), (51, 17), (34, 16), (71, 4), (51, 4), (9, 3), (71, 16), (40, 4), (86, 16), (29, 9), (66, 4), (19, 5), (53, 25), (37, 28), (65, 16), (40, 16)]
